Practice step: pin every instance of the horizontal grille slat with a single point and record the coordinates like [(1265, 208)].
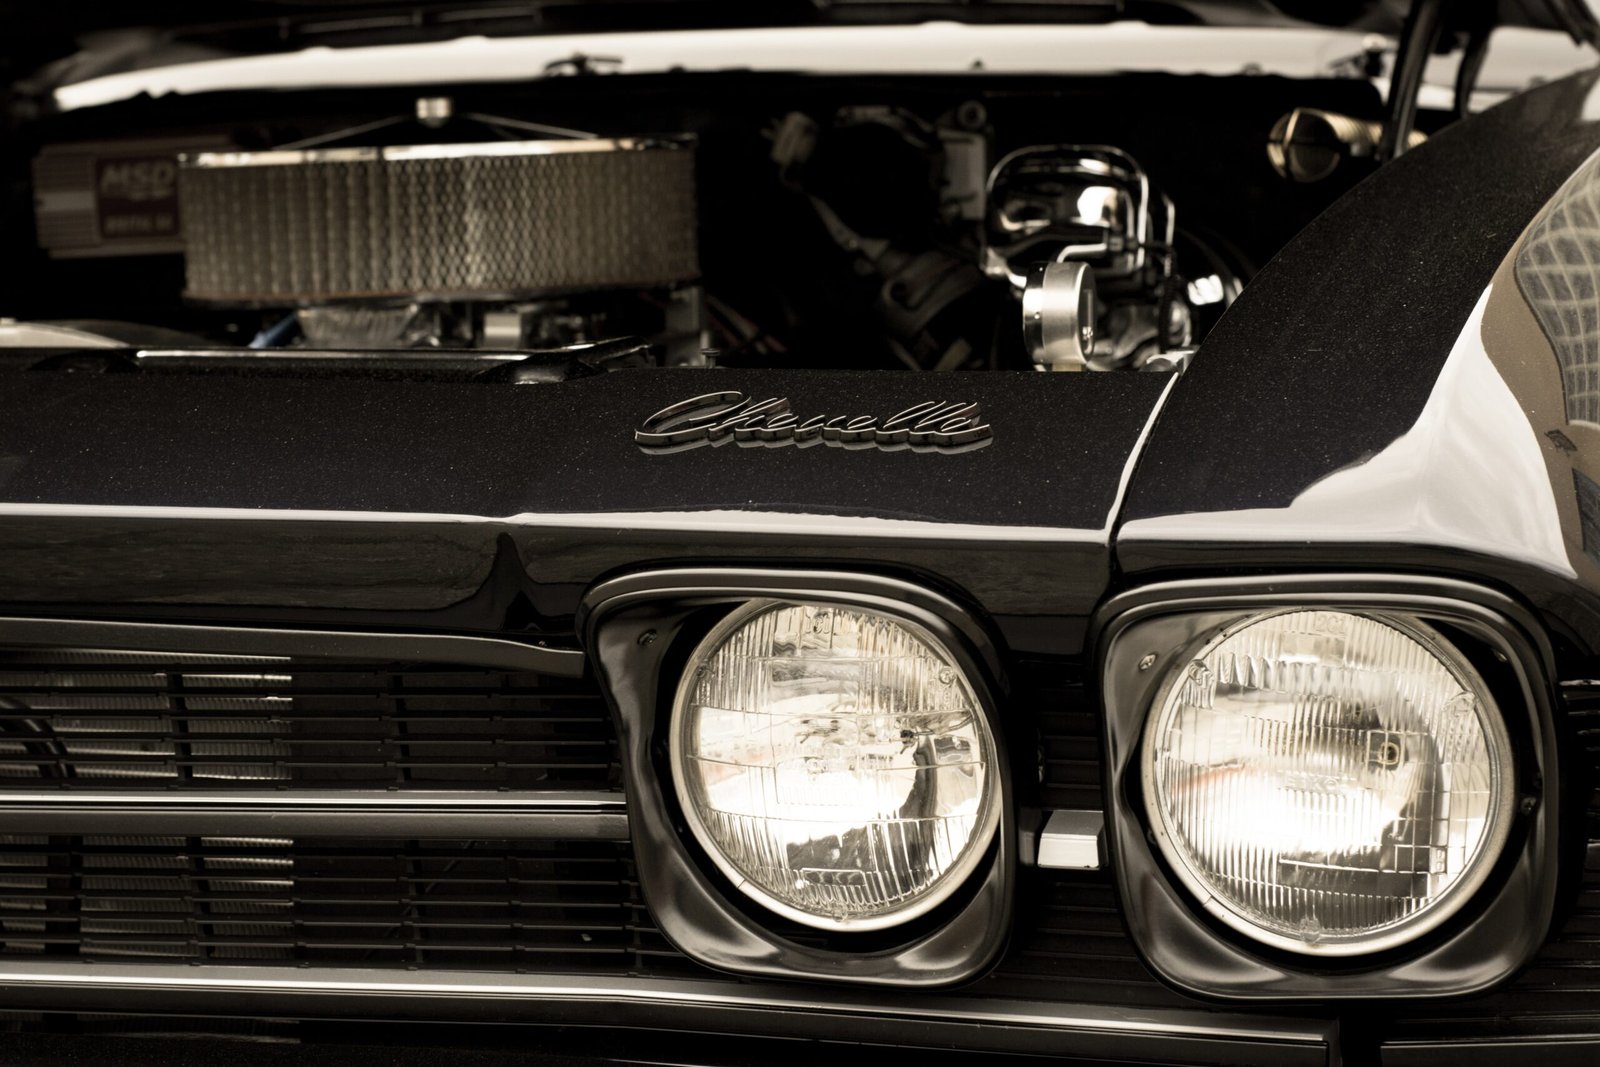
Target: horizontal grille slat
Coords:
[(498, 905), (1071, 945), (73, 718), (1581, 704), (1052, 694)]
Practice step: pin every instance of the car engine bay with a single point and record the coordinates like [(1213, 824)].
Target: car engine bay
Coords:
[(728, 219)]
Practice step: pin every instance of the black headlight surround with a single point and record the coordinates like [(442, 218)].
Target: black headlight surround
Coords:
[(638, 630), (1491, 937)]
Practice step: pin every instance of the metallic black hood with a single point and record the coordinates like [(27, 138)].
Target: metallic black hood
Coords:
[(300, 497), (1390, 395)]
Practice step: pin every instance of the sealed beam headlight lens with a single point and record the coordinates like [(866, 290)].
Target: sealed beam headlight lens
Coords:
[(835, 763), (1329, 782)]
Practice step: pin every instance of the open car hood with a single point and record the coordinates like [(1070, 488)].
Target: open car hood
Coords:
[(67, 42)]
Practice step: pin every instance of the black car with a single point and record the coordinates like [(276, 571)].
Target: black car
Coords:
[(709, 533)]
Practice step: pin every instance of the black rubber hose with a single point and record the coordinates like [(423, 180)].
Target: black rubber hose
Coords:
[(1478, 21), (1417, 40)]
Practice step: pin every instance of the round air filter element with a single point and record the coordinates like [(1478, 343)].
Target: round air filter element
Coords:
[(452, 221)]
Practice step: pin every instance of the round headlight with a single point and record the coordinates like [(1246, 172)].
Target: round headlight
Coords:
[(1329, 782), (834, 763)]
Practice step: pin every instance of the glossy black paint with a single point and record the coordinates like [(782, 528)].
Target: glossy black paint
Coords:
[(1335, 346), (1380, 397), (637, 629), (1493, 934), (439, 503)]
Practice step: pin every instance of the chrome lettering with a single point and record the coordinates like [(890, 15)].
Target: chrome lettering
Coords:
[(717, 418)]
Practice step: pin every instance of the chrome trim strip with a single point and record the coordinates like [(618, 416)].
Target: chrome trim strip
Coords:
[(555, 800), (428, 357), (454, 985), (1070, 840), (317, 644), (1136, 454), (523, 815), (773, 525), (398, 153)]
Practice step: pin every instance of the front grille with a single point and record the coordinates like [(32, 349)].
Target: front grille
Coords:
[(95, 721), (1070, 946), (497, 906), (570, 907), (1052, 698), (1069, 755), (1581, 703), (138, 720), (98, 720)]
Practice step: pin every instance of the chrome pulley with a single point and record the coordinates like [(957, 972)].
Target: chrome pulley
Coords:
[(1058, 312)]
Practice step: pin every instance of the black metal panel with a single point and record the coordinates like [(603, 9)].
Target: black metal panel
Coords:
[(399, 447), (63, 1040), (798, 1014), (540, 657)]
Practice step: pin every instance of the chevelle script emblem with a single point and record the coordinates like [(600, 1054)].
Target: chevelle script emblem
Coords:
[(718, 418)]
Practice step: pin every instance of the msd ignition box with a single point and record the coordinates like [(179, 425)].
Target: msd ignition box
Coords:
[(112, 198)]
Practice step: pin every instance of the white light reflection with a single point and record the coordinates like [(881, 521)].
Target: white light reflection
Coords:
[(1469, 474)]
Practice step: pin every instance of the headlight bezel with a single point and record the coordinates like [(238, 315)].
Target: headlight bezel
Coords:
[(1143, 635), (640, 630)]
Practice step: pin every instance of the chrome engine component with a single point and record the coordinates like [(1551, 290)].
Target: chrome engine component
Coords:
[(1073, 202), (449, 221), (1058, 313), (1308, 144), (1053, 205)]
